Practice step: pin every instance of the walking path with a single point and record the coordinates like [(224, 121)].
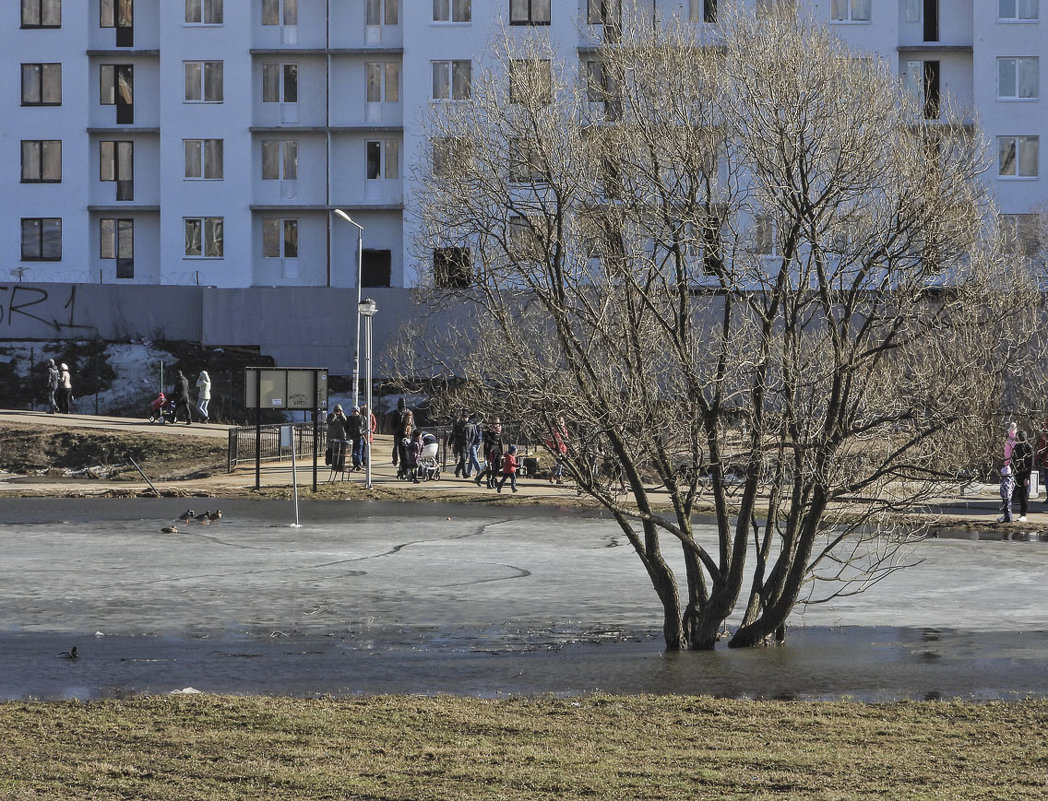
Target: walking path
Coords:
[(975, 505)]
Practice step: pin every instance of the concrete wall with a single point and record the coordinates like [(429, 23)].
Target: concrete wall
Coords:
[(297, 326)]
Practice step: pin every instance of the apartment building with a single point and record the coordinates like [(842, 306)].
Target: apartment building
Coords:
[(207, 142)]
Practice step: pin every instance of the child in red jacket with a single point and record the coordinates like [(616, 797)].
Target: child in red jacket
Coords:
[(509, 469)]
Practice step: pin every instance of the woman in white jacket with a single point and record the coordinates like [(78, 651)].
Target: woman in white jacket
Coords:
[(203, 383)]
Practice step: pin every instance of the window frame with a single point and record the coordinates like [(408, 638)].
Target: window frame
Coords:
[(28, 5), (532, 11), (383, 69), (41, 235), (385, 146), (282, 154), (206, 162), (463, 7), (843, 11), (284, 67), (519, 64), (42, 70), (284, 10), (200, 82), (284, 226), (1017, 62), (125, 263), (203, 225), (1017, 14), (453, 267), (452, 68), (1017, 141), (386, 10), (203, 6), (41, 145)]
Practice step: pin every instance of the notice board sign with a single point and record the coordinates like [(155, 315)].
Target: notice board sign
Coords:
[(290, 388)]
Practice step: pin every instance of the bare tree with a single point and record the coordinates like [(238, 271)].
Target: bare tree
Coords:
[(748, 274)]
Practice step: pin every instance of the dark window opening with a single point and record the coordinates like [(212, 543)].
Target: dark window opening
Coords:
[(931, 20), (709, 11), (931, 90), (376, 268), (453, 268)]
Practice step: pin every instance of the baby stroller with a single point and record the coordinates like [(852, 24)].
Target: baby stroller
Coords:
[(428, 465), (162, 410)]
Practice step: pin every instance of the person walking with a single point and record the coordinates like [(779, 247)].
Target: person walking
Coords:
[(459, 445), (54, 381), (1007, 475), (182, 398), (1022, 469), (493, 452), (355, 430), (396, 422), (203, 384), (338, 438), (65, 389), (509, 469), (474, 439), (401, 438), (557, 444)]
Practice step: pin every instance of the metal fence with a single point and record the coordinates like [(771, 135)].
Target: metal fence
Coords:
[(242, 443)]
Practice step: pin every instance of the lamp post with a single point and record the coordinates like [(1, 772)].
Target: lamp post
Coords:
[(360, 267), (367, 308)]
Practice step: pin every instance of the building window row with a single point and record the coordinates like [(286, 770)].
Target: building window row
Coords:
[(850, 10), (41, 161), (1018, 10), (452, 11), (41, 13), (203, 81), (280, 12), (204, 12), (1017, 156)]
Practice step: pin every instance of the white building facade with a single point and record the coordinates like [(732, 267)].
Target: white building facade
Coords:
[(207, 142)]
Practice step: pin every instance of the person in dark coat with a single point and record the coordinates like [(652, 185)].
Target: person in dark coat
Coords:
[(396, 421), (181, 394), (458, 445), (493, 452), (54, 379), (355, 431), (338, 435), (1022, 467)]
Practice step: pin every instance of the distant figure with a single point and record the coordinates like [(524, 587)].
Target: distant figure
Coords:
[(509, 469), (1007, 475), (396, 422), (65, 389), (182, 398), (1022, 468), (54, 380), (355, 432), (338, 438), (203, 384)]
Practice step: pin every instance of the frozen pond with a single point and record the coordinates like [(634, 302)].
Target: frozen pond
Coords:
[(369, 598)]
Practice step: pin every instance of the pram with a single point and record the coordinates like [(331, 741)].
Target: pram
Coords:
[(428, 466), (162, 410)]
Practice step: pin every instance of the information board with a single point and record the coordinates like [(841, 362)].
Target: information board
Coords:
[(291, 388)]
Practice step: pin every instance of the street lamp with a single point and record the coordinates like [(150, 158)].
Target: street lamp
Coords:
[(367, 308), (360, 267)]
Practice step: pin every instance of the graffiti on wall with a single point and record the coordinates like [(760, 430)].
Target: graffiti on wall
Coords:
[(28, 310)]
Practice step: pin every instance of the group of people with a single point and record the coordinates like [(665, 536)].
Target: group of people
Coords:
[(470, 439), (347, 434), (409, 444), (59, 388), (1020, 461)]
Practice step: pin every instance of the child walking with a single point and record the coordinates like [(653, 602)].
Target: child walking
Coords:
[(509, 469)]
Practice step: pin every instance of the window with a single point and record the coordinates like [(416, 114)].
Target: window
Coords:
[(41, 13), (280, 239), (451, 155), (452, 11), (764, 236), (525, 160), (118, 14), (1017, 156), (376, 268), (1022, 234), (116, 162), (41, 84), (382, 12), (203, 12), (271, 12), (922, 81), (1017, 10), (280, 160), (280, 83), (1017, 78), (596, 87), (203, 81), (913, 10), (383, 160), (452, 268), (116, 240), (530, 79), (41, 161), (383, 82), (522, 239), (204, 237), (850, 10), (116, 84), (702, 11), (41, 239), (451, 80), (931, 20), (203, 159), (530, 12), (604, 12)]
